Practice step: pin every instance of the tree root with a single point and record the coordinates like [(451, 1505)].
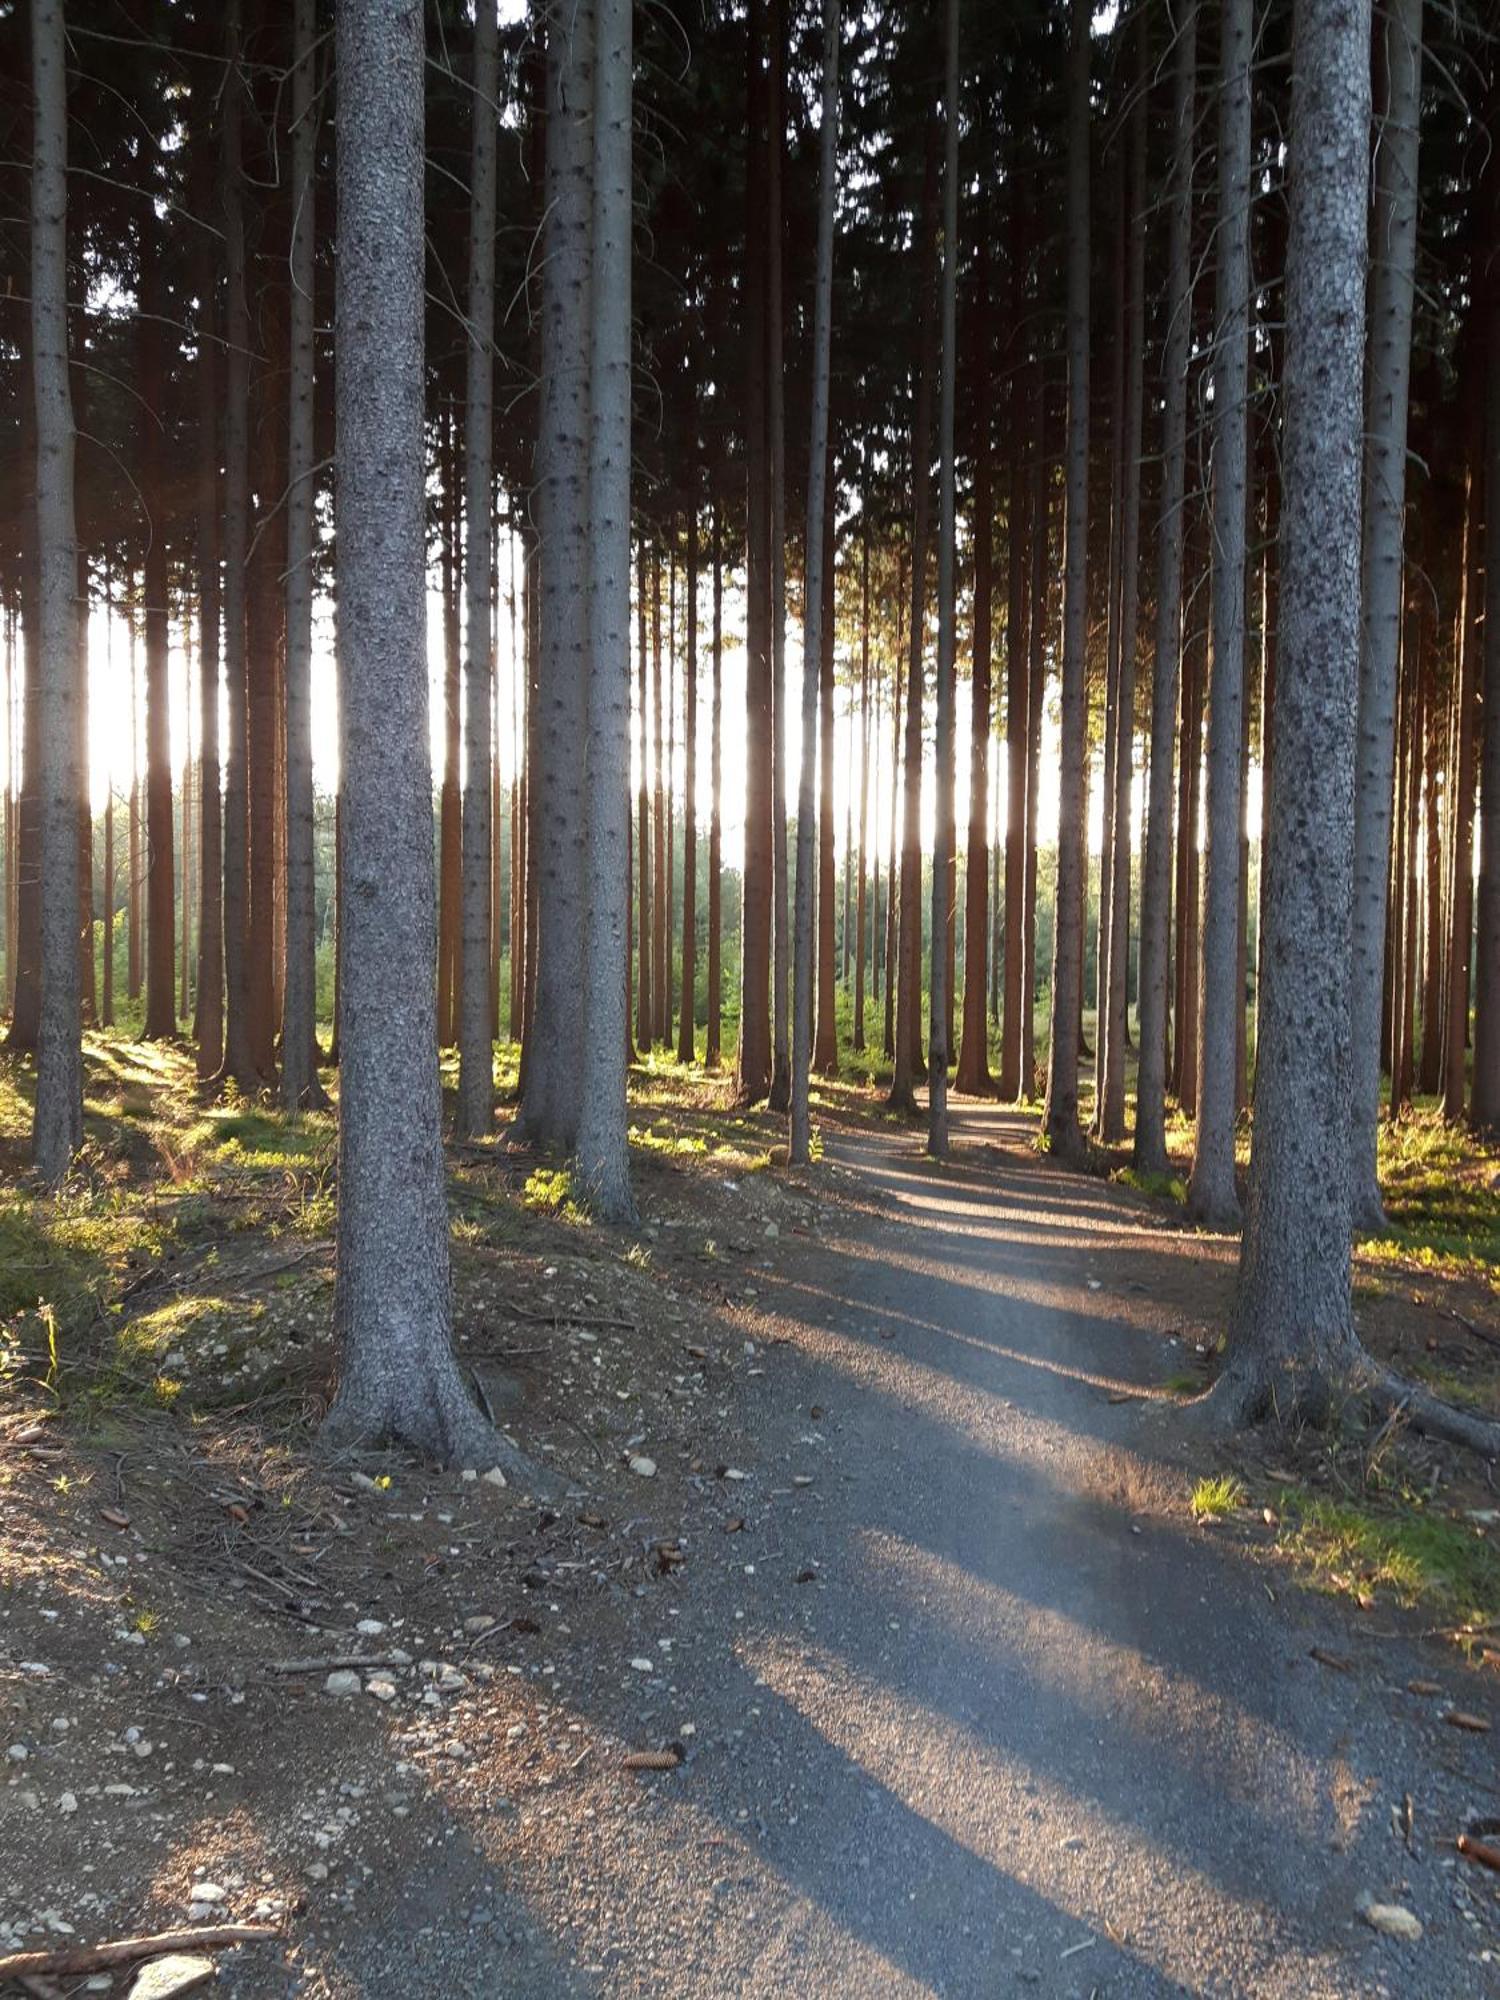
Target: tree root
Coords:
[(1394, 1396), (1248, 1395)]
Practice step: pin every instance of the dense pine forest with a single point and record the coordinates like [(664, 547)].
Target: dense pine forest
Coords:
[(632, 625)]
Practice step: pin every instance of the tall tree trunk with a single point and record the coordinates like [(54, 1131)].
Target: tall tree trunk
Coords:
[(715, 792), (814, 598), (908, 980), (940, 1029), (1461, 923), (1392, 289), (1014, 1084), (1114, 1029), (393, 1304), (891, 938), (57, 1128), (239, 1056), (265, 605), (1430, 1071), (645, 1002), (661, 893), (826, 1039), (1189, 902), (860, 900), (781, 1062), (973, 1074), (1060, 1119), (450, 803), (299, 1038), (133, 955), (1040, 518), (1212, 1197), (603, 1141), (753, 1066), (1292, 1332), (475, 1109), (107, 936), (1156, 871), (1484, 1110), (687, 1038), (161, 915)]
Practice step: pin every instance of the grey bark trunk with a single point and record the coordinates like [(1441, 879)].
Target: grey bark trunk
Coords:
[(1156, 871), (1114, 1030), (475, 1110), (209, 1024), (57, 1128), (1484, 1108), (800, 1128), (299, 1073), (1292, 1334), (239, 1058), (1212, 1198), (393, 1305), (603, 1139), (781, 1077), (551, 1101), (1392, 284), (939, 1029), (1060, 1123)]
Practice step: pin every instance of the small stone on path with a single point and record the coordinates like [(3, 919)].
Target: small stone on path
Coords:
[(165, 1978)]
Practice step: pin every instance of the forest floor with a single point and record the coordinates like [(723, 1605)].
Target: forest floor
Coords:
[(964, 1667)]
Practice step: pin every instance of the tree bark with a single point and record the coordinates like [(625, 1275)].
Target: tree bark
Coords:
[(712, 1051), (826, 1039), (1461, 922), (161, 913), (603, 1155), (1392, 290), (1212, 1197), (940, 1032), (908, 980), (1291, 1337), (687, 1035), (300, 1087), (753, 1066), (57, 1128), (645, 999), (973, 1075), (1060, 1124), (814, 606), (1114, 1030), (1156, 873), (475, 1110), (779, 1098), (239, 1058), (393, 1307), (861, 893)]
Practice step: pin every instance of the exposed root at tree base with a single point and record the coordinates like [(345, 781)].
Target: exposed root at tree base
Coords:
[(1249, 1394)]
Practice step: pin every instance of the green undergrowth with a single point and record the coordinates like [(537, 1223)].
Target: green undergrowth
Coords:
[(1426, 1560), (1441, 1187), (1215, 1497)]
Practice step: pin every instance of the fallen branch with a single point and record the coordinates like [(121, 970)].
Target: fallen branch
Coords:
[(329, 1666), (1480, 1851), (125, 1951)]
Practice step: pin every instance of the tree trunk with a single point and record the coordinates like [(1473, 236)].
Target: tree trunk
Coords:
[(161, 914), (892, 896), (1212, 1197), (687, 1037), (1114, 1031), (1063, 1132), (1014, 1084), (393, 1306), (1485, 1103), (908, 980), (265, 633), (973, 1074), (475, 1109), (57, 1128), (1040, 518), (645, 999), (300, 1087), (940, 1032), (712, 1050), (753, 1067), (814, 599), (861, 892), (826, 1039), (661, 894), (603, 1138), (1292, 1332), (1430, 1071), (239, 1057), (781, 1062), (1156, 872), (450, 804), (1461, 924), (1392, 289)]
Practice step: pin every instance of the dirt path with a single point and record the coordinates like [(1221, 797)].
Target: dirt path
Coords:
[(967, 1705), (971, 1712)]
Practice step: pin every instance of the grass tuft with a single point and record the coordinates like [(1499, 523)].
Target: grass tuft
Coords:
[(1216, 1497)]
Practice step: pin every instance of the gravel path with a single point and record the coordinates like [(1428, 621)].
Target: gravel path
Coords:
[(974, 1709)]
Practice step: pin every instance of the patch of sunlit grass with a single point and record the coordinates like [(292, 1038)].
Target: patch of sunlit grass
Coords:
[(1215, 1497), (1424, 1559)]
